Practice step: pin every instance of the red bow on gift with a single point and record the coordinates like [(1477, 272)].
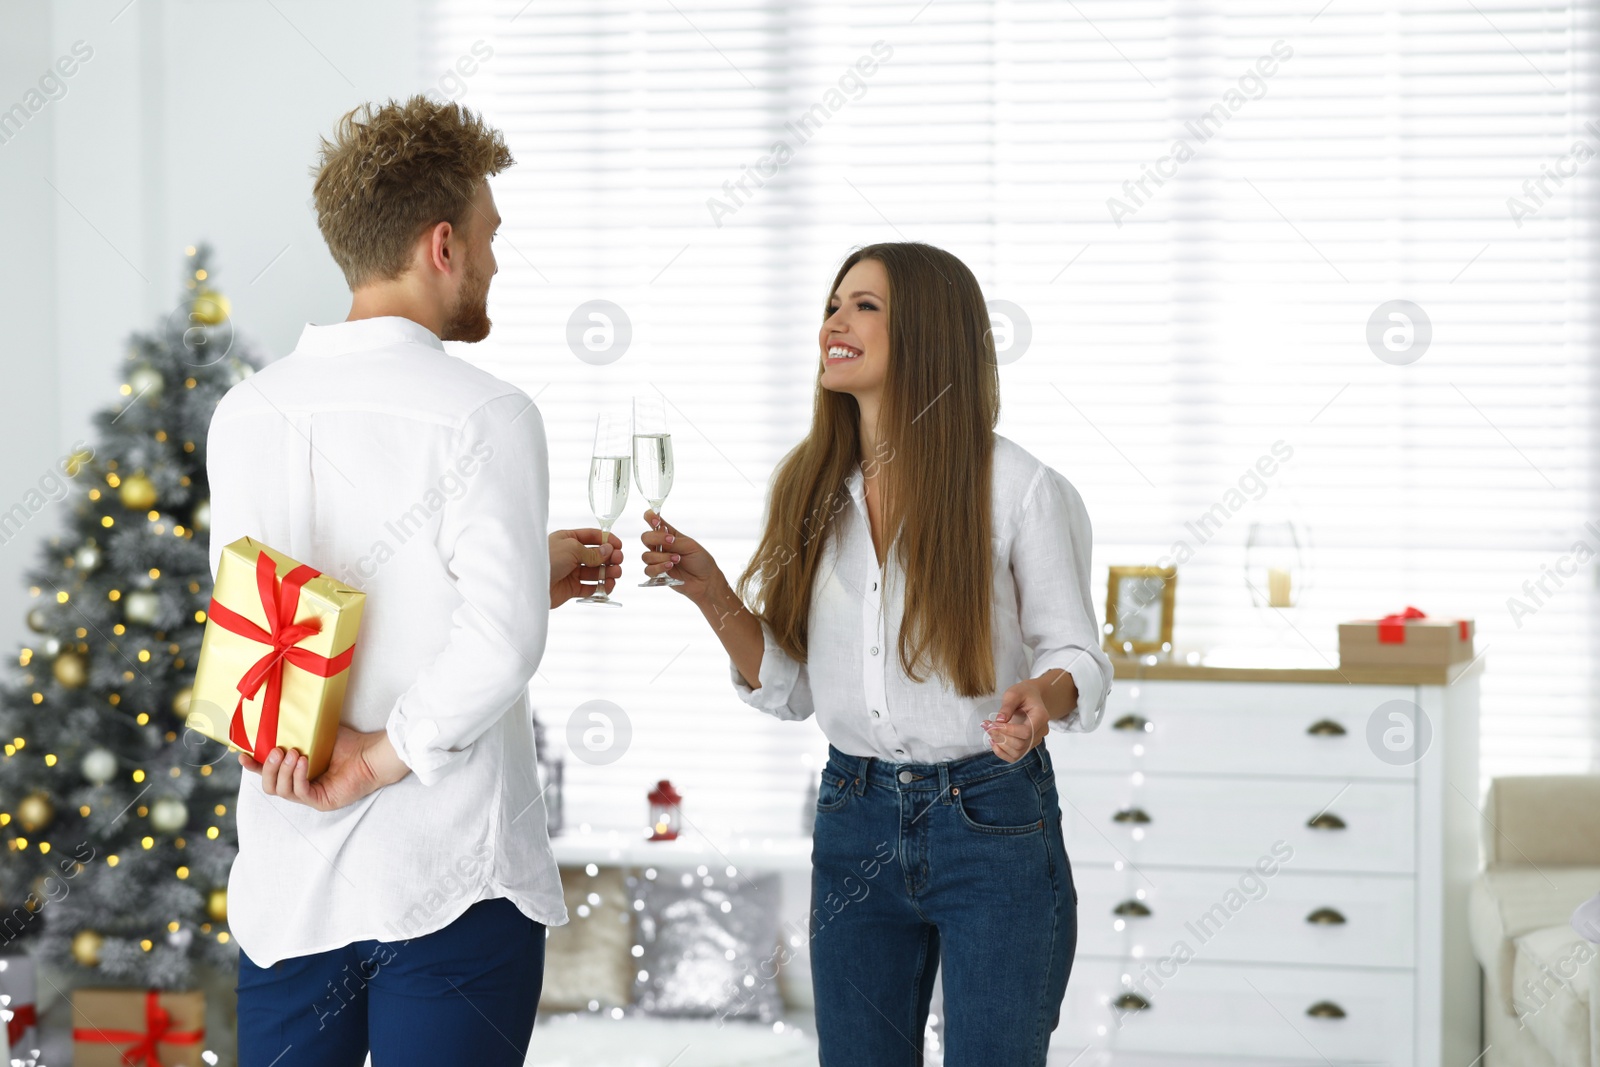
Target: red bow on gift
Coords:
[(279, 601), (1392, 628), (158, 1030), (22, 1017)]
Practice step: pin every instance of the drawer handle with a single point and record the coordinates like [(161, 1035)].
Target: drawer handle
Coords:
[(1131, 815), (1131, 722), (1325, 728), (1134, 1002), (1325, 1009), (1326, 821), (1136, 908), (1325, 917)]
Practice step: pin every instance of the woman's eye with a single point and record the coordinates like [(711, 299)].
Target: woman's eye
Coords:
[(867, 305)]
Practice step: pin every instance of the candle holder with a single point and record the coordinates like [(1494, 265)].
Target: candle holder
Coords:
[(1275, 567), (666, 815)]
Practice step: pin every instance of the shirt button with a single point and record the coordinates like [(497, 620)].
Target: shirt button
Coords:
[(874, 713), (899, 752), (874, 587), (905, 776), (874, 650)]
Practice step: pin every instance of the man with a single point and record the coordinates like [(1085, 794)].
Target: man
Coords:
[(398, 902)]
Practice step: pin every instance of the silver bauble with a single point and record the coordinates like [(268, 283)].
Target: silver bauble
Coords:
[(168, 815), (99, 766), (146, 381), (141, 606)]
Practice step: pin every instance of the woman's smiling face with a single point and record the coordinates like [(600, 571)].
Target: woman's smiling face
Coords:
[(854, 340)]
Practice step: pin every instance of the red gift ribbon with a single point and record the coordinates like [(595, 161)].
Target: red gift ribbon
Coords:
[(22, 1017), (1392, 628), (157, 1030), (279, 601)]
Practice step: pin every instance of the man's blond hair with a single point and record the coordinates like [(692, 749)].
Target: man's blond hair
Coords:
[(393, 171)]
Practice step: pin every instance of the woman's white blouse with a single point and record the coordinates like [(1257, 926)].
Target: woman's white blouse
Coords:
[(1043, 618)]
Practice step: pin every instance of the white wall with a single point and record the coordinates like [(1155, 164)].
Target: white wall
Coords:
[(191, 121)]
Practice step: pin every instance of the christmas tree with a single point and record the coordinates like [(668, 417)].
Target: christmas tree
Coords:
[(118, 821)]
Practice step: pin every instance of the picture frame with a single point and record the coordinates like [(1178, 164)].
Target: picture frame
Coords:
[(1139, 609)]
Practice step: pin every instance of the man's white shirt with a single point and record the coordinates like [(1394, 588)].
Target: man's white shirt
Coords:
[(375, 457)]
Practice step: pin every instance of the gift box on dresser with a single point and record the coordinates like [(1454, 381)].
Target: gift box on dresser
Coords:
[(276, 655), (1409, 638), (19, 1004), (123, 1027)]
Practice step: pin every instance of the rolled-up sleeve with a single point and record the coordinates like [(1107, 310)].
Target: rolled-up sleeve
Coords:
[(1050, 565), (495, 547), (785, 685)]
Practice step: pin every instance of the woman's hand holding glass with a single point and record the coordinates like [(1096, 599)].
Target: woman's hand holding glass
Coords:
[(669, 551)]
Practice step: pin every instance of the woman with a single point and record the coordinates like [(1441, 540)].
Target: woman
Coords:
[(911, 561)]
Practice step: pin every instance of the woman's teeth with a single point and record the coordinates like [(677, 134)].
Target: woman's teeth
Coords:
[(840, 352)]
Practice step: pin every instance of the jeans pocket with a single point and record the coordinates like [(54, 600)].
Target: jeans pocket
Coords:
[(1006, 804), (833, 792)]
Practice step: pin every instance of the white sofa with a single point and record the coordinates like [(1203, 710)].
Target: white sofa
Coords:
[(1541, 981)]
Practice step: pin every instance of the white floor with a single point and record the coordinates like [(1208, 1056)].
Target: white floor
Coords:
[(638, 1041)]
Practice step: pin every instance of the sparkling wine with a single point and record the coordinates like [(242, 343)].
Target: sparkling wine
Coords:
[(608, 487), (652, 465)]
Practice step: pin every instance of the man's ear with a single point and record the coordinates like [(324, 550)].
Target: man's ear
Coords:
[(439, 254)]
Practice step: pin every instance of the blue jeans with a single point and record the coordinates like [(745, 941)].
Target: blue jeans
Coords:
[(463, 994), (961, 861)]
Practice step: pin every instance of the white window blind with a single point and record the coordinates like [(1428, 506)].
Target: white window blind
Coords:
[(1278, 173)]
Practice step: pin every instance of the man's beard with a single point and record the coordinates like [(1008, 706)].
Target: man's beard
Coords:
[(469, 319)]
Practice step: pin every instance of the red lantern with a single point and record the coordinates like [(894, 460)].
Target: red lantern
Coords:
[(665, 815)]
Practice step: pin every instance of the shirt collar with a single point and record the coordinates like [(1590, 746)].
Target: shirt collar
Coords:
[(364, 335), (856, 483)]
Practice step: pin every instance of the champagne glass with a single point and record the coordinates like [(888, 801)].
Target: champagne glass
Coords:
[(608, 485), (652, 461)]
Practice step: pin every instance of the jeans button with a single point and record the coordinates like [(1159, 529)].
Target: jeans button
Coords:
[(906, 777)]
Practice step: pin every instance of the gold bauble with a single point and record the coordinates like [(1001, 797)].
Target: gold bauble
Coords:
[(34, 812), (137, 493), (70, 669), (181, 702), (211, 308), (217, 905), (86, 948)]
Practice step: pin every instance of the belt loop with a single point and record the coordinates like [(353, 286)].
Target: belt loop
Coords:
[(944, 782), (863, 771)]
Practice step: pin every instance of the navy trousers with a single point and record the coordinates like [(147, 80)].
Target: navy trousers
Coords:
[(463, 994)]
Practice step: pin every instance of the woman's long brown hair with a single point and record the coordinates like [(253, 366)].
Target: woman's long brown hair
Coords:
[(941, 403)]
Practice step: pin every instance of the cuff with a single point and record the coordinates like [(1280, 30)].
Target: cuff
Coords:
[(779, 674), (1093, 682), (413, 743)]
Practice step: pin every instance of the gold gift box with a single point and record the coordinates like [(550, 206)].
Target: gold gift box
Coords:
[(308, 716)]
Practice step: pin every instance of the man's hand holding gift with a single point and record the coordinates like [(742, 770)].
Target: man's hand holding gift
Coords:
[(363, 763)]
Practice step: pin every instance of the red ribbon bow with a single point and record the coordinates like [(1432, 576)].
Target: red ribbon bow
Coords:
[(279, 601), (157, 1030), (1392, 628), (22, 1017)]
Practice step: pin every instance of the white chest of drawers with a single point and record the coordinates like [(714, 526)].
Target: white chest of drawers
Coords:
[(1264, 873)]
